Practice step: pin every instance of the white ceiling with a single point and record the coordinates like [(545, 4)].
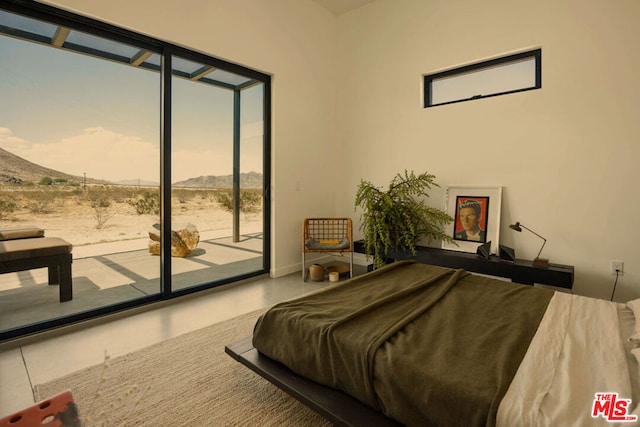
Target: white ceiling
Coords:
[(338, 7)]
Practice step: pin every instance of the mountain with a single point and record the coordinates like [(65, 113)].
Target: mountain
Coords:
[(16, 170), (247, 180)]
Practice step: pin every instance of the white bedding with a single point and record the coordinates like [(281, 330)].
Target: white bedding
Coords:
[(582, 347)]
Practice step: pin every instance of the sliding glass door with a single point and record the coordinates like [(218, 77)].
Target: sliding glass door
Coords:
[(216, 174), (81, 159), (148, 158)]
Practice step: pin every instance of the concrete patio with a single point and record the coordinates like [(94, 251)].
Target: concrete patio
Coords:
[(109, 273)]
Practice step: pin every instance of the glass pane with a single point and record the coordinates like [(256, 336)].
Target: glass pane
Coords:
[(185, 66), (485, 81), (226, 77), (101, 44), (251, 166), (82, 136), (13, 21), (153, 60), (203, 134)]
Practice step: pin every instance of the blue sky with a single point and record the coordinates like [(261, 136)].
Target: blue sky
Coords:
[(78, 114)]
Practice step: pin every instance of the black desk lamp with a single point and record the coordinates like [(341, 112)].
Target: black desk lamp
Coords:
[(538, 262)]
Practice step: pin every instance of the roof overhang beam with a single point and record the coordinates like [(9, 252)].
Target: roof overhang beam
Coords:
[(60, 36)]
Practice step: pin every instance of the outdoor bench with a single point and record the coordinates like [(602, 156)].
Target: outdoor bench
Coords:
[(26, 248)]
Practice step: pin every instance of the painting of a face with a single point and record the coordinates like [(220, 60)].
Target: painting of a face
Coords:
[(469, 219), (476, 218), (471, 224)]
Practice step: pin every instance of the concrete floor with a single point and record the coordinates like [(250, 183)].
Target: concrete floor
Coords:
[(35, 360), (107, 274)]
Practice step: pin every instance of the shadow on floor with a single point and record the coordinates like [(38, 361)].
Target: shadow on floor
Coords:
[(107, 279)]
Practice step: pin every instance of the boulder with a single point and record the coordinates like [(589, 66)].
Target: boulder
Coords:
[(183, 241)]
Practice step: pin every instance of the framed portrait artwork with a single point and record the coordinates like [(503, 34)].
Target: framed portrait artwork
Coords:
[(476, 217)]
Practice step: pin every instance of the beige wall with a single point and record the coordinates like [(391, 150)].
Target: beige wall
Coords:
[(295, 42), (567, 155), (346, 105)]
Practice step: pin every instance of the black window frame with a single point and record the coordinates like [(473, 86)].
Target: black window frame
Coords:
[(428, 79), (167, 51)]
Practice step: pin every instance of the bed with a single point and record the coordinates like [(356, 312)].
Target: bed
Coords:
[(422, 345)]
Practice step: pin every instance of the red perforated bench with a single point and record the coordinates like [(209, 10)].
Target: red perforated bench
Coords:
[(26, 248), (59, 410)]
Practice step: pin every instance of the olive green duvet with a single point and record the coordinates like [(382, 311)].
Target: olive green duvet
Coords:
[(424, 345)]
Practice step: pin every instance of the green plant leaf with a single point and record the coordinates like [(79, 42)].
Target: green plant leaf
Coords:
[(397, 218)]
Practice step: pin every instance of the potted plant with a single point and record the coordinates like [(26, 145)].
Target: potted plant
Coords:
[(397, 218)]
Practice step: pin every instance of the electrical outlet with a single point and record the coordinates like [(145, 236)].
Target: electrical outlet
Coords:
[(617, 266)]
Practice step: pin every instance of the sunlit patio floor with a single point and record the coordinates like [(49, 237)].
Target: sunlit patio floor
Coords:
[(106, 274)]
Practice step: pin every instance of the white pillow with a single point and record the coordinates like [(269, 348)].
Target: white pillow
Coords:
[(634, 306)]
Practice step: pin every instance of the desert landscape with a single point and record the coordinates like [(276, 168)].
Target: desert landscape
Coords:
[(86, 211), (110, 213)]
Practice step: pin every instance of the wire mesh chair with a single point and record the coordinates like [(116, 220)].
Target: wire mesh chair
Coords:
[(327, 235)]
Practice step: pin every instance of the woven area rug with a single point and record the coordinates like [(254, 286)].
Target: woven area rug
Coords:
[(187, 380)]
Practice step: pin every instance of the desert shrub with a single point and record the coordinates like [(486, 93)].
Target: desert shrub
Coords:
[(98, 197), (225, 199), (183, 195), (101, 203), (45, 181), (120, 194), (148, 204), (78, 194), (250, 200), (7, 207), (39, 202), (102, 214)]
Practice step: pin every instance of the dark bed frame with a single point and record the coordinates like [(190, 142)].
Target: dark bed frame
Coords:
[(336, 406)]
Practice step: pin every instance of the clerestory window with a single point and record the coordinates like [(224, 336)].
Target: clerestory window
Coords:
[(500, 76)]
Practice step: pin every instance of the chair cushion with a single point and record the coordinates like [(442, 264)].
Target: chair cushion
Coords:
[(21, 233), (12, 250), (315, 244)]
